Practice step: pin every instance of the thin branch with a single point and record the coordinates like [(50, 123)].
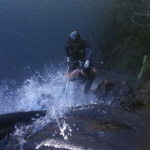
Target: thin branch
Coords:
[(138, 23), (145, 15)]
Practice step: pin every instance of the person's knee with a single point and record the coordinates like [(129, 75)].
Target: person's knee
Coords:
[(94, 72)]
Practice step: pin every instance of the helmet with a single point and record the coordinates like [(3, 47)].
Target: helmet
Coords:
[(74, 37)]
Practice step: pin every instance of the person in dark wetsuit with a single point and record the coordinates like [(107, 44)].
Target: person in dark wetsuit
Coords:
[(78, 52)]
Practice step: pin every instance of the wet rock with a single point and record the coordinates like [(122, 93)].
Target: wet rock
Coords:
[(115, 91), (114, 88), (140, 100), (122, 95), (143, 93), (94, 127), (8, 121), (104, 126)]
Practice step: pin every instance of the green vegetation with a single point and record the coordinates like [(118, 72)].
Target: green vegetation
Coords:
[(129, 21), (145, 67)]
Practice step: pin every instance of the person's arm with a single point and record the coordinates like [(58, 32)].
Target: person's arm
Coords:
[(87, 54), (72, 75)]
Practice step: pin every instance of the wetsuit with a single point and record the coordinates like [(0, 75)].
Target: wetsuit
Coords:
[(81, 52), (78, 55)]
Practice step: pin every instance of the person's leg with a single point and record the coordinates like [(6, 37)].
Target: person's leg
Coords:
[(88, 84), (73, 66), (91, 74)]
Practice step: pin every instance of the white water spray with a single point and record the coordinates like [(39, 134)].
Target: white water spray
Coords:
[(52, 93)]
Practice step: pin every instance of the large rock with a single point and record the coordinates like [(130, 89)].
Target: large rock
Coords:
[(122, 95), (92, 127), (97, 126), (8, 121), (114, 91)]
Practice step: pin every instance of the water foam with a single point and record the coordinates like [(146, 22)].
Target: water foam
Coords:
[(43, 92), (50, 92)]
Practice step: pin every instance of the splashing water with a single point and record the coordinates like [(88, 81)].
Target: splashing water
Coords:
[(50, 92), (43, 92), (62, 130), (58, 144)]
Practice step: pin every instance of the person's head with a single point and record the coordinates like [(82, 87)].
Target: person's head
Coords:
[(74, 38)]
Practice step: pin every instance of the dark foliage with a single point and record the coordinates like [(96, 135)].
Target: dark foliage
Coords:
[(129, 21)]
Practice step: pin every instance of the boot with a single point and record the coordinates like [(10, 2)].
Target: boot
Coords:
[(88, 84)]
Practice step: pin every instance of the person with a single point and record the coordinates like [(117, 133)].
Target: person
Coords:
[(78, 53)]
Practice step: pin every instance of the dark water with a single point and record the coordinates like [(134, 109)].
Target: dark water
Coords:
[(32, 37), (33, 32)]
